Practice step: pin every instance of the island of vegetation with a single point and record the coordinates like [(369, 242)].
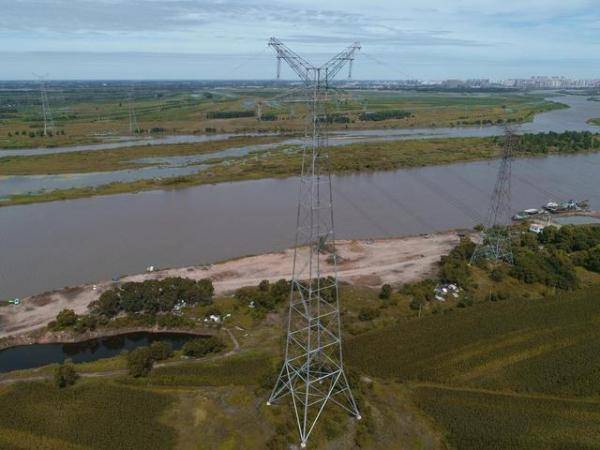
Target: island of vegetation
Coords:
[(279, 162)]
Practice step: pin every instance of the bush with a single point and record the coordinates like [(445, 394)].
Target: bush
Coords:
[(65, 375), (592, 260), (65, 318), (85, 323), (386, 292), (203, 346), (368, 313), (498, 273), (160, 350), (140, 362), (266, 296)]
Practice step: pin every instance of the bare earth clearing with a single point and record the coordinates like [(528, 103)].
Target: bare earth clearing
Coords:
[(366, 263)]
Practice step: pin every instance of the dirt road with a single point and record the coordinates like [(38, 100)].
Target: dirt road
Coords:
[(367, 263)]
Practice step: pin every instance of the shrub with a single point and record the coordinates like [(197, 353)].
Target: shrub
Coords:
[(140, 362), (65, 318), (65, 375), (386, 292), (160, 350), (266, 296), (592, 260), (368, 313), (498, 273), (203, 346)]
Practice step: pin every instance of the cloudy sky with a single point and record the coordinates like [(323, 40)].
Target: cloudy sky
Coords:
[(208, 39)]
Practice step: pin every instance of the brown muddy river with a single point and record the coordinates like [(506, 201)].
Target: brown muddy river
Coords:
[(48, 246)]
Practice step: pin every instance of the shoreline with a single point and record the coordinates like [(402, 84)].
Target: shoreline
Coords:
[(366, 262)]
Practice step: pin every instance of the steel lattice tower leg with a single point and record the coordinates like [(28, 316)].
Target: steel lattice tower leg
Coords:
[(496, 242), (312, 372)]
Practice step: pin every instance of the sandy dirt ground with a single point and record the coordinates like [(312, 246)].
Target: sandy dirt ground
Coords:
[(363, 262)]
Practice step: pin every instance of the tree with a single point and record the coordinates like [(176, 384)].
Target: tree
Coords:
[(140, 362), (200, 347), (65, 375), (160, 350), (109, 304), (592, 261), (66, 318), (386, 292)]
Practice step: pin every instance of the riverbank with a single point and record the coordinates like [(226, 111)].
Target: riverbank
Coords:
[(363, 263)]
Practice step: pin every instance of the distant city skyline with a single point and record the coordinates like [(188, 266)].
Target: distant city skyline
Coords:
[(225, 39)]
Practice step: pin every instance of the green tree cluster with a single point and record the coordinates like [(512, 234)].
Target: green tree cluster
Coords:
[(567, 142), (378, 116), (153, 296), (266, 296)]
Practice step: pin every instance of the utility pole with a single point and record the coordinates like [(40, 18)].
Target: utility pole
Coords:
[(313, 372), (496, 242)]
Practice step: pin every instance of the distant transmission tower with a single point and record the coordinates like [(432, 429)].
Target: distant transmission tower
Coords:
[(46, 112), (496, 242), (133, 123), (313, 371)]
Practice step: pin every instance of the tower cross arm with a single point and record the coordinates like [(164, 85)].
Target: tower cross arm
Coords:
[(335, 64), (298, 64)]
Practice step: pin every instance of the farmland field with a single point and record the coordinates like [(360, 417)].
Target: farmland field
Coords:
[(92, 415), (523, 346), (88, 113)]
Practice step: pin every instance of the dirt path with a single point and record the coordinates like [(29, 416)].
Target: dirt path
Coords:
[(364, 262)]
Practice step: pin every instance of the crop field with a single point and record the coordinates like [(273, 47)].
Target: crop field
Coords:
[(478, 420), (529, 345), (91, 415)]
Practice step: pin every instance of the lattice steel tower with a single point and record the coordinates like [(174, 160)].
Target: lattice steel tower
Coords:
[(496, 242), (313, 372), (46, 111)]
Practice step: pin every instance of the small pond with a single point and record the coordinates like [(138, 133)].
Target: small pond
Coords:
[(37, 355)]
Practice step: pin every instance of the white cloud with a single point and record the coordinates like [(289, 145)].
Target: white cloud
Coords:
[(498, 31)]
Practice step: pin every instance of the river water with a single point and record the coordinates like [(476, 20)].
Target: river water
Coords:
[(47, 246), (573, 119)]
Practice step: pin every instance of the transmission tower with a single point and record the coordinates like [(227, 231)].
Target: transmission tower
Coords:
[(313, 372), (133, 123), (46, 112), (496, 243)]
